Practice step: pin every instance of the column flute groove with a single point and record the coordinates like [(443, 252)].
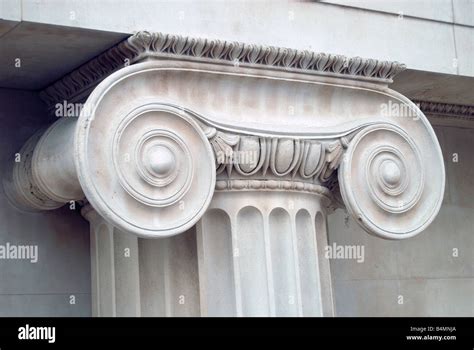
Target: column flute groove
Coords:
[(269, 266), (296, 264)]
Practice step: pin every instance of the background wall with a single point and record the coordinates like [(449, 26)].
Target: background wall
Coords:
[(62, 236), (422, 269)]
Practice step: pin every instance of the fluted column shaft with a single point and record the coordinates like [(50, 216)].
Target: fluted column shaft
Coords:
[(259, 254), (254, 253), (132, 276)]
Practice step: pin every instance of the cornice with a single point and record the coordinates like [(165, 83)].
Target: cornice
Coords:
[(447, 114), (449, 109), (145, 45)]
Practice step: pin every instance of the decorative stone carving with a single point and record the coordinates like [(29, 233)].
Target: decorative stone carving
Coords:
[(157, 173), (148, 170), (449, 109), (447, 113), (144, 45), (246, 148), (382, 183), (247, 156), (154, 136)]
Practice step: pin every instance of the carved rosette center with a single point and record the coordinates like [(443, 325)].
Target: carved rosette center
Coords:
[(163, 163), (387, 166), (160, 161), (390, 173)]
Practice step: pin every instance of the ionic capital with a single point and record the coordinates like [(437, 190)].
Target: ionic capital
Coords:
[(189, 117)]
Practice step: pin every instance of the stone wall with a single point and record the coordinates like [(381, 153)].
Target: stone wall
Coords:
[(62, 269)]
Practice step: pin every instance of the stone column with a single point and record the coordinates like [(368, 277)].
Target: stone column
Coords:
[(243, 258), (210, 168), (260, 254), (114, 268), (131, 276)]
